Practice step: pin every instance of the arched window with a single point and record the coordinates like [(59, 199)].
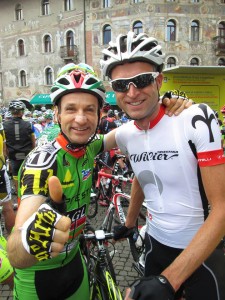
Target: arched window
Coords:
[(70, 43), (67, 5), (171, 30), (194, 61), (18, 12), (106, 34), (171, 62), (48, 76), (21, 49), (47, 43), (221, 62), (23, 78), (45, 7), (138, 27), (194, 31), (221, 29)]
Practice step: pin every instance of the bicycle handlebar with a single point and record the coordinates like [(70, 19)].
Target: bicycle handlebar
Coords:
[(116, 177), (99, 235)]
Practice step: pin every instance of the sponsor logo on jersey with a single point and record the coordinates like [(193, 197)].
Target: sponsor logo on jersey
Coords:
[(207, 119), (78, 219), (86, 174), (43, 157), (159, 155)]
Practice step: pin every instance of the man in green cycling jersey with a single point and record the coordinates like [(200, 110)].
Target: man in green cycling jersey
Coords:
[(44, 246)]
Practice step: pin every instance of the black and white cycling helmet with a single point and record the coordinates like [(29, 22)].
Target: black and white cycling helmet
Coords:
[(16, 105), (131, 48), (77, 80)]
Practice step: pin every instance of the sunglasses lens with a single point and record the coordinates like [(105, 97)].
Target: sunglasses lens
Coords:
[(143, 80), (119, 85), (140, 82)]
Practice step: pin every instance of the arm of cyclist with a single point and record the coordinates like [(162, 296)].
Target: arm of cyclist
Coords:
[(26, 237), (136, 201), (137, 198), (201, 246)]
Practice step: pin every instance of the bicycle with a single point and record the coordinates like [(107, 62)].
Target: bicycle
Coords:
[(102, 277), (102, 186), (99, 164), (116, 214)]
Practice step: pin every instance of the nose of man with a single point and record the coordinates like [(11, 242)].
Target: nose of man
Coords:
[(80, 118)]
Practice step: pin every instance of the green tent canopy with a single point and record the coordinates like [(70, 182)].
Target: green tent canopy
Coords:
[(111, 98), (41, 99), (45, 98)]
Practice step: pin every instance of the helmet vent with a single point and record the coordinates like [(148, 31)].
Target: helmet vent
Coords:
[(91, 81), (77, 77), (64, 81), (53, 89)]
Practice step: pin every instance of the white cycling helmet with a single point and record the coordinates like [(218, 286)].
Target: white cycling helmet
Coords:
[(131, 48), (16, 105), (77, 80)]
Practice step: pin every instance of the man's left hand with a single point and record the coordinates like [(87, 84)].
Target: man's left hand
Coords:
[(151, 288)]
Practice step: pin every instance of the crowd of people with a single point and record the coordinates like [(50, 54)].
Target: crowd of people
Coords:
[(179, 170)]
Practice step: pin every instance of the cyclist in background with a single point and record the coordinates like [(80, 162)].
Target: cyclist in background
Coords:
[(20, 137), (6, 209), (44, 246), (106, 107), (223, 126), (49, 119), (179, 168)]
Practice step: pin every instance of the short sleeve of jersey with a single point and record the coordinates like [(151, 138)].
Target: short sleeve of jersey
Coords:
[(204, 132), (96, 146)]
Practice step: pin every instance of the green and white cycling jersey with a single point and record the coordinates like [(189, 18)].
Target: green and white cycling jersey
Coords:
[(74, 170)]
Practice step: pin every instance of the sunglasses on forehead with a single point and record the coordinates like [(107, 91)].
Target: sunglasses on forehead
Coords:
[(140, 81)]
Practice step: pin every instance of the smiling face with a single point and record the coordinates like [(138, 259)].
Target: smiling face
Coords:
[(78, 116), (140, 104)]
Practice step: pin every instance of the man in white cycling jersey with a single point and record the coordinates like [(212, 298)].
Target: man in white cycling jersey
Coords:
[(180, 171)]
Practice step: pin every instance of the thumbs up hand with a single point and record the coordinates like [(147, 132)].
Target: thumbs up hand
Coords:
[(45, 233)]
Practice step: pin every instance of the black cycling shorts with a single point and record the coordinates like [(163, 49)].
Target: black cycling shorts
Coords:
[(207, 282)]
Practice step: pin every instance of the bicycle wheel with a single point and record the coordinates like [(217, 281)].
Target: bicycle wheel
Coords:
[(93, 206), (108, 288)]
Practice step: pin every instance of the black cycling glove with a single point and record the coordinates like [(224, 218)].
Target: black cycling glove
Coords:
[(121, 232), (152, 288)]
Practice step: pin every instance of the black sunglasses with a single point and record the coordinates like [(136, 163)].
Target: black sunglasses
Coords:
[(140, 81)]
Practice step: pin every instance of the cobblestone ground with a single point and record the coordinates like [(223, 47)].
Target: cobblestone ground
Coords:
[(122, 262)]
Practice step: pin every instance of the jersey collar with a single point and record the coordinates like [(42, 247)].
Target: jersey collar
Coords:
[(65, 145), (156, 120)]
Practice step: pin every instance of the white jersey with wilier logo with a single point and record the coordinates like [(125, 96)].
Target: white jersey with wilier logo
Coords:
[(166, 160)]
